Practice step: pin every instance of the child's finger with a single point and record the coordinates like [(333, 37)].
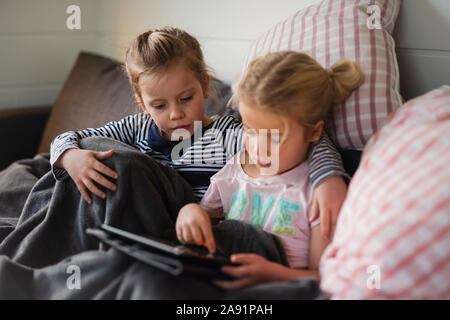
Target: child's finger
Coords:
[(325, 224), (105, 170), (196, 233), (104, 155), (244, 258), (187, 236), (83, 192), (242, 271), (314, 212), (180, 234), (91, 187), (97, 177), (209, 239)]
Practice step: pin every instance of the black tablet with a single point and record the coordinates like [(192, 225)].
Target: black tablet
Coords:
[(190, 253)]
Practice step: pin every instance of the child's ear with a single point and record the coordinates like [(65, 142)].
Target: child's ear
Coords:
[(206, 86), (141, 104), (317, 131)]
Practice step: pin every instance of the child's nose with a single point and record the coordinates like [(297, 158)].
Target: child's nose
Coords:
[(176, 114)]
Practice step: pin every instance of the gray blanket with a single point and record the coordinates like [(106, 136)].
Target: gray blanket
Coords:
[(43, 243)]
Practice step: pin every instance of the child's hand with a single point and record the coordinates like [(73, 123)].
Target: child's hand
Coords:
[(84, 167), (328, 198), (254, 269), (194, 226)]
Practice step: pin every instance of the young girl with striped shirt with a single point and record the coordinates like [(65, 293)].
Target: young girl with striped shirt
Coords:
[(170, 80)]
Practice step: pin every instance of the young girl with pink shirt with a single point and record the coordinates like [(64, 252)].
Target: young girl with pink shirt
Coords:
[(283, 99)]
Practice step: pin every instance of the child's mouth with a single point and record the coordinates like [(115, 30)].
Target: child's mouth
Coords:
[(263, 164), (181, 127)]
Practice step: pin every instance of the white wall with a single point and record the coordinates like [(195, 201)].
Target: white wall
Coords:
[(37, 50), (225, 29)]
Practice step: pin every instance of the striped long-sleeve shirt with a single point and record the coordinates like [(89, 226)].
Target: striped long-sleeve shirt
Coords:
[(198, 158)]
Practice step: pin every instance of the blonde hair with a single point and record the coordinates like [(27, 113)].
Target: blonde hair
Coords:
[(294, 83), (156, 50)]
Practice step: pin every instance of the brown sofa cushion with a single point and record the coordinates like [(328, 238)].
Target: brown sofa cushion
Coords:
[(97, 91)]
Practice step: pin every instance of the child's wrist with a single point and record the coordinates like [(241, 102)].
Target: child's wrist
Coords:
[(62, 160), (286, 274), (281, 273)]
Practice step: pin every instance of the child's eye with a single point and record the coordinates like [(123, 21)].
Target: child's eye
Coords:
[(160, 106), (186, 99)]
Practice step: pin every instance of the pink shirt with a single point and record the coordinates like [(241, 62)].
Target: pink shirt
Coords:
[(279, 204)]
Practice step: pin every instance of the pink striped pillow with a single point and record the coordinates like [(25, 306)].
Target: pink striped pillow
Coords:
[(394, 227), (331, 30)]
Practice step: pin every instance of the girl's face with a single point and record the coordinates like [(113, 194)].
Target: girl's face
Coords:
[(272, 154), (174, 99)]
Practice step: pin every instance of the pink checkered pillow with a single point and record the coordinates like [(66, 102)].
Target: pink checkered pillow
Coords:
[(392, 239), (331, 30)]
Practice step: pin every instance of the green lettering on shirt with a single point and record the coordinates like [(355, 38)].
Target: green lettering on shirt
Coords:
[(259, 215), (238, 205), (282, 221)]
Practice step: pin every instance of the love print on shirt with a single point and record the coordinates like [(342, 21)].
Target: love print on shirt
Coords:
[(281, 212)]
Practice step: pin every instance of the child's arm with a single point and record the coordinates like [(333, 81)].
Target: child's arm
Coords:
[(85, 166), (194, 222), (325, 161), (129, 130), (327, 176), (317, 246), (257, 269)]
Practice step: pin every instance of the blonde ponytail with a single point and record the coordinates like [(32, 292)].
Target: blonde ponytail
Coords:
[(346, 76), (290, 82)]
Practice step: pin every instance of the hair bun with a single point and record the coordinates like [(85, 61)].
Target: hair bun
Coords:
[(347, 76)]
